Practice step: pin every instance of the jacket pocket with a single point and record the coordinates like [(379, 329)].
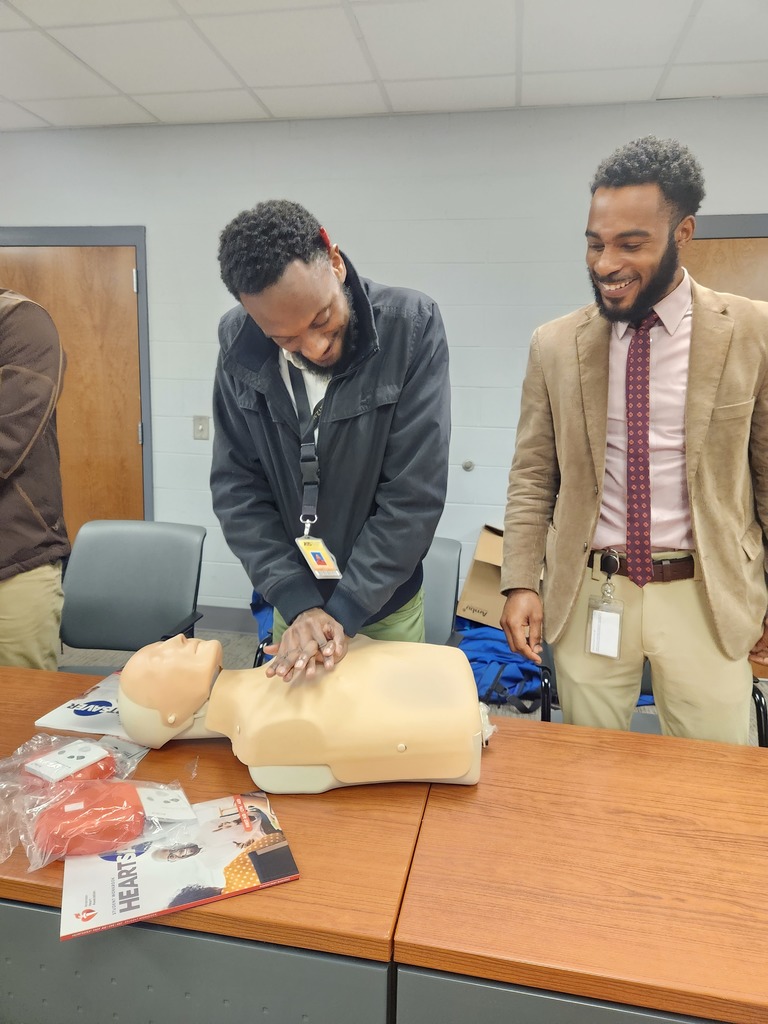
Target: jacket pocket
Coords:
[(732, 412), (752, 541), (346, 405)]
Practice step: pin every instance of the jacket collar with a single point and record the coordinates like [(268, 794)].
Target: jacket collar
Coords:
[(711, 332), (593, 336)]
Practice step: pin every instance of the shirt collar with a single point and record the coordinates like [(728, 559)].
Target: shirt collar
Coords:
[(671, 309)]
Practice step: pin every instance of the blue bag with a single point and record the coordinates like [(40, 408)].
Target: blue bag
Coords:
[(501, 676), (263, 613)]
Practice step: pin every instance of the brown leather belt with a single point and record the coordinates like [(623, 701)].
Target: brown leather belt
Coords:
[(666, 571)]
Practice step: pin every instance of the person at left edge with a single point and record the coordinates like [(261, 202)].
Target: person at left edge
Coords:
[(377, 357), (33, 537)]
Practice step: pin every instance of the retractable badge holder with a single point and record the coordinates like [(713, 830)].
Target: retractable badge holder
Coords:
[(604, 613)]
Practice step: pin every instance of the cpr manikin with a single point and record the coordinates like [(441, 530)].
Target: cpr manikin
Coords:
[(387, 712)]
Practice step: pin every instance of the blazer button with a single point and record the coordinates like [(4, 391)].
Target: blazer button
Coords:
[(586, 546)]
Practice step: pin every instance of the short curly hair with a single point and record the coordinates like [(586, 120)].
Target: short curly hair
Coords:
[(257, 246), (663, 162)]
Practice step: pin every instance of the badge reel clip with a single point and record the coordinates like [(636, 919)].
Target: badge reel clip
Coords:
[(605, 613)]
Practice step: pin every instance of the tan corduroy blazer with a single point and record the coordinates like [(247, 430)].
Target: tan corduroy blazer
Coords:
[(556, 480)]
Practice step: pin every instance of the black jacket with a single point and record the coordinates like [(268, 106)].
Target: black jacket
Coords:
[(382, 448)]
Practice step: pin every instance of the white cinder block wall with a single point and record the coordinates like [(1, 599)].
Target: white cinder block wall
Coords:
[(485, 212)]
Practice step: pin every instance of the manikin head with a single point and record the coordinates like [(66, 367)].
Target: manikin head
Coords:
[(644, 198), (164, 689), (278, 261)]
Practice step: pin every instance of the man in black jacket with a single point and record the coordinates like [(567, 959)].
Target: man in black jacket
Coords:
[(332, 421)]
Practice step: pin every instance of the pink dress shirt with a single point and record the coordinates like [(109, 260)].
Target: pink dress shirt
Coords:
[(670, 347)]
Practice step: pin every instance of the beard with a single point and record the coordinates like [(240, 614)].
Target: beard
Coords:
[(348, 346), (654, 291)]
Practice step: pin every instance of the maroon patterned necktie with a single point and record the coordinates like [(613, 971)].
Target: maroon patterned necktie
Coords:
[(638, 390)]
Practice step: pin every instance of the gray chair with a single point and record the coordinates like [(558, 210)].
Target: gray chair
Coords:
[(641, 722), (129, 583), (441, 591)]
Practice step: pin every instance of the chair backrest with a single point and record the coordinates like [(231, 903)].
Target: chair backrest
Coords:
[(441, 588), (130, 582)]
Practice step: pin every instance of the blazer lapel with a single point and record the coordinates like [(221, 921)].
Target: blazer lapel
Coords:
[(711, 331), (593, 339)]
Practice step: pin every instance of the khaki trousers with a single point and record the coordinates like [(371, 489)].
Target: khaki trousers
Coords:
[(699, 692), (30, 616)]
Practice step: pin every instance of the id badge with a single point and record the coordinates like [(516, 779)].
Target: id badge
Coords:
[(604, 615), (318, 558)]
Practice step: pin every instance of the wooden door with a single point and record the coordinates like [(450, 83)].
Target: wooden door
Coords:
[(738, 265), (89, 293)]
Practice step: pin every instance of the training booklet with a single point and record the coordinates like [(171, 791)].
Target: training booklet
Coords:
[(95, 711), (235, 846)]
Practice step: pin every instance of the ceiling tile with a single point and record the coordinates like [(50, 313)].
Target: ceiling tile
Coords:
[(716, 80), (94, 12), (453, 94), (102, 110), (594, 34), (204, 107), (13, 117), (289, 48), (198, 7), (161, 56), (429, 39), (325, 100), (732, 32), (34, 67), (567, 88)]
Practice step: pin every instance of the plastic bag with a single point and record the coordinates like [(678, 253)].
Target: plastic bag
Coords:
[(44, 761), (92, 816)]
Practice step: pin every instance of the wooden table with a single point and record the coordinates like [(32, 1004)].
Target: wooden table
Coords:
[(616, 867), (353, 848)]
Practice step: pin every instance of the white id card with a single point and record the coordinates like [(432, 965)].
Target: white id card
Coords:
[(318, 558), (604, 627)]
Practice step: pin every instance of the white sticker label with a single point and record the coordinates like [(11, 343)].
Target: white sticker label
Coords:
[(66, 760), (165, 804)]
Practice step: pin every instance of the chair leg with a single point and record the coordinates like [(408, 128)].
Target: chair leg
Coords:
[(259, 659), (761, 714), (546, 694)]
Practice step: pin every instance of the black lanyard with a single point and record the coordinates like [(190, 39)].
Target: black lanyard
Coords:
[(310, 467)]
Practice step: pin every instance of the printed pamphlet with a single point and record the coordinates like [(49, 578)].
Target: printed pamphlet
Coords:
[(235, 846)]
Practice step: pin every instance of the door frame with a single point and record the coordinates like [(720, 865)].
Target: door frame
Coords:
[(732, 225), (121, 235)]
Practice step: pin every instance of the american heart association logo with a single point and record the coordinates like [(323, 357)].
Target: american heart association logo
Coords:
[(86, 915)]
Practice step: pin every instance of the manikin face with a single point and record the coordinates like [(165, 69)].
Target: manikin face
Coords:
[(307, 311), (632, 250), (173, 675), (192, 656)]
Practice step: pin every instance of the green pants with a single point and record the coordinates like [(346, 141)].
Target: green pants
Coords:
[(407, 623)]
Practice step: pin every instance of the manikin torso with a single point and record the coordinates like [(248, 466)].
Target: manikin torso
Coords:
[(387, 712)]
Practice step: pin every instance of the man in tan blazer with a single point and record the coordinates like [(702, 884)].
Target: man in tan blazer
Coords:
[(702, 609)]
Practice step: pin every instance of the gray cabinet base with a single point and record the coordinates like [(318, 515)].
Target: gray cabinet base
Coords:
[(148, 974), (433, 997)]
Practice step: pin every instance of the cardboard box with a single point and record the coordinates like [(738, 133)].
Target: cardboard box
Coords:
[(480, 599)]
